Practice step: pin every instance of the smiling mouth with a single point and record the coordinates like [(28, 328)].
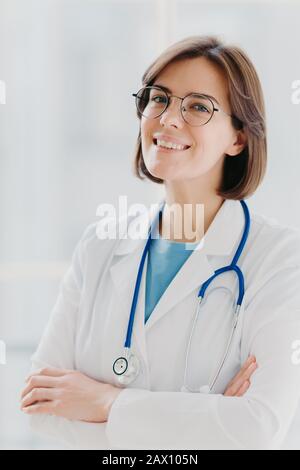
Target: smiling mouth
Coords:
[(167, 149)]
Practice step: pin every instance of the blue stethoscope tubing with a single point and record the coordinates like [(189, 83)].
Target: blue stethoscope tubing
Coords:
[(121, 365)]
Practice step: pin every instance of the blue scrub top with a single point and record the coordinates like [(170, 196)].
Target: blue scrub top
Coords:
[(165, 258)]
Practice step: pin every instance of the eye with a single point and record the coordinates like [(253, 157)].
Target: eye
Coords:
[(158, 97), (202, 107)]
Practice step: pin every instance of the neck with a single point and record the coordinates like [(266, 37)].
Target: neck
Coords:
[(187, 215)]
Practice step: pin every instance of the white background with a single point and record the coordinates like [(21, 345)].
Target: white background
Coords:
[(68, 131)]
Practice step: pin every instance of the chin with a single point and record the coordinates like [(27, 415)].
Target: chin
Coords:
[(161, 170)]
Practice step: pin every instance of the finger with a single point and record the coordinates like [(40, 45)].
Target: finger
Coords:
[(243, 389), (39, 381), (238, 382), (244, 376), (49, 372), (40, 408), (248, 362), (38, 394)]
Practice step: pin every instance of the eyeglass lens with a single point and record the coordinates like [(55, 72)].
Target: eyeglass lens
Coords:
[(151, 102)]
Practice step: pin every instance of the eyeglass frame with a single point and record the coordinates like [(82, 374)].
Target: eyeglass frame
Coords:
[(182, 99)]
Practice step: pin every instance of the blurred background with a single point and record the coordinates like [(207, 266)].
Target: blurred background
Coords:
[(68, 132)]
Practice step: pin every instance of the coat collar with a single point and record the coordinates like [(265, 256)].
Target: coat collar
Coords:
[(221, 239)]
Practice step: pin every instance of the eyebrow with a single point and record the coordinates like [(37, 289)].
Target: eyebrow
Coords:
[(170, 91)]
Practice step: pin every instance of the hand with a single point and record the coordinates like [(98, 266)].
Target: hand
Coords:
[(68, 393), (241, 382)]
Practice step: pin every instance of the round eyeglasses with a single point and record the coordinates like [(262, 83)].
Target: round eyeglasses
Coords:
[(196, 109)]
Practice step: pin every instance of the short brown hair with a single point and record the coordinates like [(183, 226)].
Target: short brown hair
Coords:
[(243, 173)]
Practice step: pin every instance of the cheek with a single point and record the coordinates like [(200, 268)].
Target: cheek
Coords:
[(146, 137), (223, 135), (211, 142), (208, 150), (146, 130)]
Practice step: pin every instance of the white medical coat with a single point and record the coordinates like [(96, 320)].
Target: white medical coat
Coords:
[(88, 324)]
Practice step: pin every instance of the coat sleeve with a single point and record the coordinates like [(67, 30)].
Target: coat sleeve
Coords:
[(258, 420), (56, 349)]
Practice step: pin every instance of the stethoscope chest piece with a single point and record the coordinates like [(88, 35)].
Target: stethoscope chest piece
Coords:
[(126, 369), (120, 365)]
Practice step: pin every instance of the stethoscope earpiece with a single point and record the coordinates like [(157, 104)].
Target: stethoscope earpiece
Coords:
[(204, 389)]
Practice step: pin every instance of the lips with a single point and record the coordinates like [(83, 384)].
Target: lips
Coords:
[(170, 138), (166, 148)]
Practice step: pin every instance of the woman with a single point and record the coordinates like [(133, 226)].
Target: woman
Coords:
[(206, 97)]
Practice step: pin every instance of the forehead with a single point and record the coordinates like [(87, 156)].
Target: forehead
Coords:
[(195, 75)]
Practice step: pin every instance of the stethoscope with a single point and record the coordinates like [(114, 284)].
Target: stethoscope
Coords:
[(127, 367)]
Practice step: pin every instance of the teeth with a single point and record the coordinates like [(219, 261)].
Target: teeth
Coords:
[(170, 145)]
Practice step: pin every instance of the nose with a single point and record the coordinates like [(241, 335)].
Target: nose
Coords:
[(172, 115)]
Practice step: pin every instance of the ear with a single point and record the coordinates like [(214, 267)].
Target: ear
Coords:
[(239, 143)]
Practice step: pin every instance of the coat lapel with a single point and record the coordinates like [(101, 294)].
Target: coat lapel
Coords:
[(221, 240)]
